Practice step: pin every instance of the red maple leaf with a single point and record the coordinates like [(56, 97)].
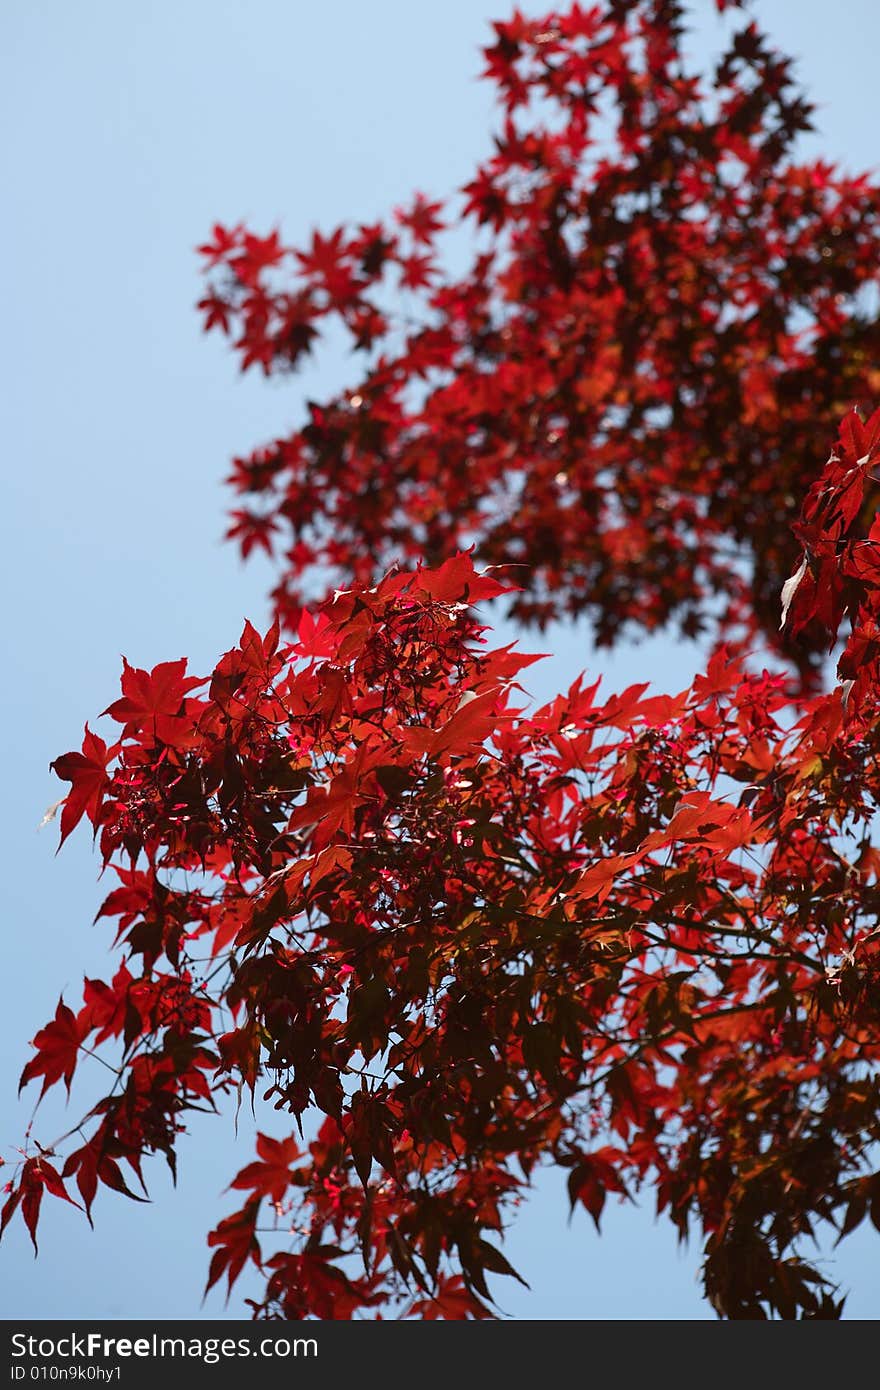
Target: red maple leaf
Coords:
[(154, 699), (88, 773), (271, 1177), (57, 1050)]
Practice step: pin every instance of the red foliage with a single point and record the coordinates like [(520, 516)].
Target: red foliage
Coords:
[(622, 398), (455, 940), (477, 939)]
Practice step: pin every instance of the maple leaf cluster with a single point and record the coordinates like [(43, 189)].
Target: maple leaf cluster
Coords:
[(621, 398), (452, 940)]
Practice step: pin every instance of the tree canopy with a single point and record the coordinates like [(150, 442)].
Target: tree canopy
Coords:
[(453, 939)]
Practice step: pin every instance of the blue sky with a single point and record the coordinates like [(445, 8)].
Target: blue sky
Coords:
[(128, 131)]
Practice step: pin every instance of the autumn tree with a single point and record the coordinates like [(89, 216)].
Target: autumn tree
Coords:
[(455, 940)]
